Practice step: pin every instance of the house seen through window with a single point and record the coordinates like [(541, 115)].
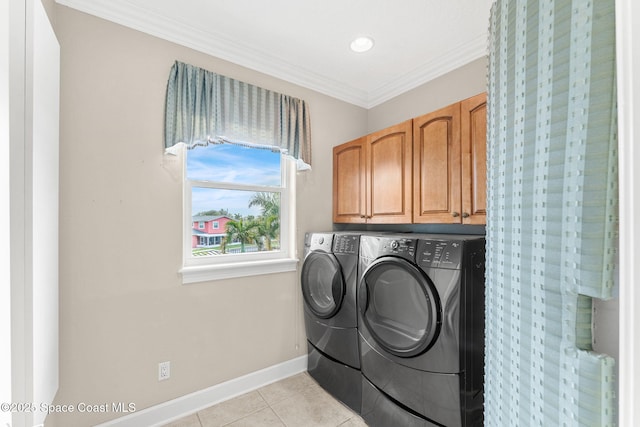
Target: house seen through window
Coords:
[(236, 200)]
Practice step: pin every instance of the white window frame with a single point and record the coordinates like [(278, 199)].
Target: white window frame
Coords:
[(203, 269)]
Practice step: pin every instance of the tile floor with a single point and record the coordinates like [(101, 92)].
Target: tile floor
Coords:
[(297, 401)]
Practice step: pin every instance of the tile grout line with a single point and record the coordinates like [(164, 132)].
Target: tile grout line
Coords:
[(271, 405), (272, 409)]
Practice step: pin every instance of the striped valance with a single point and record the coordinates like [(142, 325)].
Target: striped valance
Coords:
[(203, 107)]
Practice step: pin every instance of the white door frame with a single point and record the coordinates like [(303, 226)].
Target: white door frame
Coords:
[(628, 66)]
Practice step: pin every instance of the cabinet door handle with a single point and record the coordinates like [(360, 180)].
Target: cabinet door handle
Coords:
[(455, 214), (363, 216), (465, 215)]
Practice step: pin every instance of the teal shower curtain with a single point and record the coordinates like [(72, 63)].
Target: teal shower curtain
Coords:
[(551, 211)]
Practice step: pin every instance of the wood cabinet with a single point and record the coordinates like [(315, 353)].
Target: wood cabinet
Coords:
[(431, 169), (349, 182), (449, 174), (372, 179), (473, 145), (436, 166)]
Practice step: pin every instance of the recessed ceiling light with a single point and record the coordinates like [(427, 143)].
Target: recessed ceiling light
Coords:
[(362, 44)]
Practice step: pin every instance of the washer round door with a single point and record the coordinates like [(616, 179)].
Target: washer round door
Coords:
[(399, 306), (323, 286)]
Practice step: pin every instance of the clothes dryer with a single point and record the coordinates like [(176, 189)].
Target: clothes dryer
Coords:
[(329, 280), (421, 329)]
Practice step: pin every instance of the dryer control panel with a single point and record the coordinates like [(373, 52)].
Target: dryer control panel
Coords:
[(402, 247), (439, 254)]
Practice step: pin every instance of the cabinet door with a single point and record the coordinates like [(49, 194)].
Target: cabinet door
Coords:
[(473, 140), (436, 166), (389, 180), (349, 183)]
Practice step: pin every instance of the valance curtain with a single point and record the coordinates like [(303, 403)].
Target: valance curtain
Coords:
[(203, 107), (552, 211)]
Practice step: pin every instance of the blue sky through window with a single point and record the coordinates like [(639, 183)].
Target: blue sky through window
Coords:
[(230, 164)]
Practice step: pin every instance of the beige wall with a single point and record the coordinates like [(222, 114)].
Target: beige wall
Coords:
[(459, 84), (122, 307)]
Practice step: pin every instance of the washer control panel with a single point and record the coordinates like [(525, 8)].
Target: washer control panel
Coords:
[(346, 244), (319, 241), (439, 254)]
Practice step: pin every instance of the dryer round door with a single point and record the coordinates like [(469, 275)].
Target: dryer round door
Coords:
[(399, 306), (323, 286)]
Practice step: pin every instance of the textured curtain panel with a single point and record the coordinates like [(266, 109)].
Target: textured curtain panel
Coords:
[(203, 107), (551, 211)]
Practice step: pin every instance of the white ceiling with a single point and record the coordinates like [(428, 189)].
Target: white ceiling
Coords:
[(307, 41)]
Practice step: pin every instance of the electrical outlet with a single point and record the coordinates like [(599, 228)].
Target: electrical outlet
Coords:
[(164, 371)]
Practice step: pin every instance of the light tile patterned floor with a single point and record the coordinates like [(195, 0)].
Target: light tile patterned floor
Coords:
[(297, 401)]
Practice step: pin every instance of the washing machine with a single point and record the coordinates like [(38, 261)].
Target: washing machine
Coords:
[(329, 280), (421, 329)]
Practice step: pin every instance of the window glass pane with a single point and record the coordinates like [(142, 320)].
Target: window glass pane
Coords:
[(247, 221), (234, 164)]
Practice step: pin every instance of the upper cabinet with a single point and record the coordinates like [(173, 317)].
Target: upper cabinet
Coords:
[(449, 158), (349, 182), (430, 169), (388, 174), (473, 145), (436, 166), (372, 180)]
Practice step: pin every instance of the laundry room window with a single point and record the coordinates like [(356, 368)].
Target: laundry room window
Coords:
[(239, 144), (238, 215)]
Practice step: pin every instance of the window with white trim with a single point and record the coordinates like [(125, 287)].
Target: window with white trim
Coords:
[(248, 192), (204, 109)]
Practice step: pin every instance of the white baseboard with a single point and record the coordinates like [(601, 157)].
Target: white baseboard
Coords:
[(182, 406)]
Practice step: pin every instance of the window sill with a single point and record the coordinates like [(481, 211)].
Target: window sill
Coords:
[(205, 273)]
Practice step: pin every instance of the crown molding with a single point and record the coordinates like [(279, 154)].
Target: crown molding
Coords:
[(430, 70), (223, 47)]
